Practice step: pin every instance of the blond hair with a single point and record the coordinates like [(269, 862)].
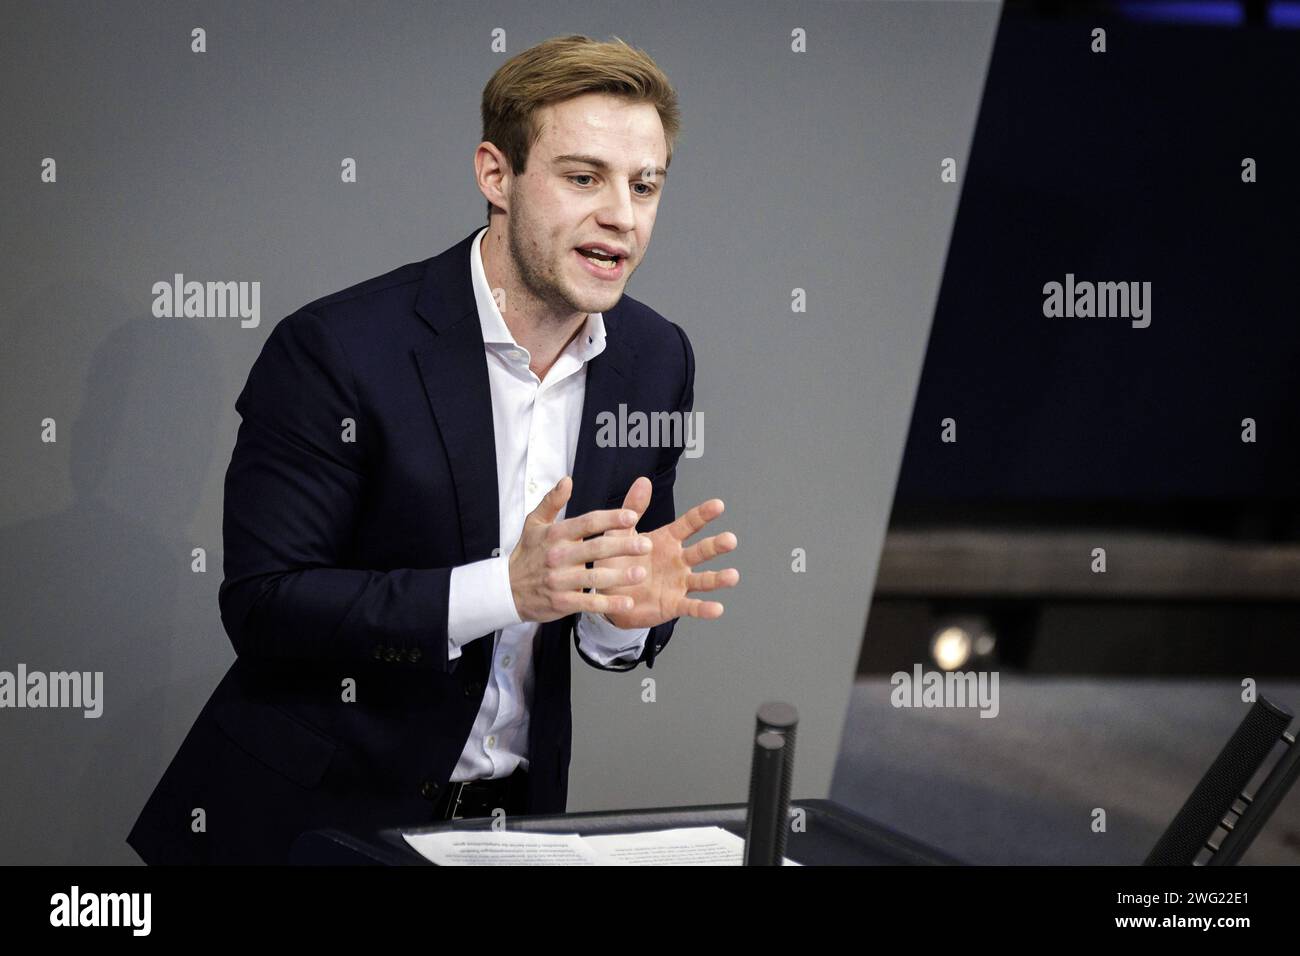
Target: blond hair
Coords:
[(559, 69)]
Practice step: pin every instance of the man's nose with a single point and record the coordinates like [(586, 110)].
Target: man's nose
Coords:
[(616, 211)]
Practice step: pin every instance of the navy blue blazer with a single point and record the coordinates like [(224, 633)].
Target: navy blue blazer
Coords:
[(338, 556)]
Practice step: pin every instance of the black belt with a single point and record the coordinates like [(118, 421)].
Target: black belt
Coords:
[(479, 798)]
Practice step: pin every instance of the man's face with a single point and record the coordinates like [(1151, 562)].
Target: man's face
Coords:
[(594, 177)]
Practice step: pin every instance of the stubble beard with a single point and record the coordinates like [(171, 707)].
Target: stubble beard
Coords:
[(546, 285)]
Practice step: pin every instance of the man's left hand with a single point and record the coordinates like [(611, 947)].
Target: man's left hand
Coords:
[(662, 594)]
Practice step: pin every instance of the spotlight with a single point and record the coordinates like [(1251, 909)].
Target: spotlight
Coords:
[(962, 640), (951, 647)]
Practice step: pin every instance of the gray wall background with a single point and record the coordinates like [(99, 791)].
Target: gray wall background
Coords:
[(817, 170)]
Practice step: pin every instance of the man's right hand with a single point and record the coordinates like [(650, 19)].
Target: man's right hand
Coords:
[(548, 566)]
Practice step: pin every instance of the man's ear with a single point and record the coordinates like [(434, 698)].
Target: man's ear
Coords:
[(492, 173)]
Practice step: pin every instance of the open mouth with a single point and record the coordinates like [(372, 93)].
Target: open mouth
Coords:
[(602, 260)]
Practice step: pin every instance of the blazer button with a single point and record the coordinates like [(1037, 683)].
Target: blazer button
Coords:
[(390, 654), (428, 790), (473, 689), (378, 652), (413, 655)]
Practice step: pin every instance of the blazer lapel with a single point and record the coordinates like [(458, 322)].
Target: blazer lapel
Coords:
[(593, 466), (453, 367)]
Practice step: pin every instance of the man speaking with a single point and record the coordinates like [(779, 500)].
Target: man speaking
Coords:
[(418, 515)]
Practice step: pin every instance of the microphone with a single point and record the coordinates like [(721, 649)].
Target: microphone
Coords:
[(771, 774)]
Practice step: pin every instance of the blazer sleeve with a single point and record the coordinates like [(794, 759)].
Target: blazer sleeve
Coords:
[(293, 493), (662, 511)]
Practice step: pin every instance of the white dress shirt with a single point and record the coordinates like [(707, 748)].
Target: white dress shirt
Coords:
[(536, 425)]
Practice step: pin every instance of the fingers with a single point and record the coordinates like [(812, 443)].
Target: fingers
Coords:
[(708, 548), (712, 580), (600, 604), (695, 519), (637, 499), (694, 607), (594, 522), (578, 602), (603, 546), (552, 502), (574, 579), (638, 495)]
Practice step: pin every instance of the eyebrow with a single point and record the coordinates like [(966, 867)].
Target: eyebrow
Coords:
[(599, 163)]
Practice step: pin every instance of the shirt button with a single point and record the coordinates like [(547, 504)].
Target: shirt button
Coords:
[(532, 487), (505, 661), (491, 741)]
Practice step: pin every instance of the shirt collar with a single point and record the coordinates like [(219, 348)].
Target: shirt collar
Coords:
[(584, 347)]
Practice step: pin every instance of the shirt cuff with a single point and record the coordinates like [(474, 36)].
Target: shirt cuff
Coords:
[(606, 644), (479, 601)]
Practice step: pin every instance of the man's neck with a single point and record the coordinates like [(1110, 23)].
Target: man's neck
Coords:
[(543, 333)]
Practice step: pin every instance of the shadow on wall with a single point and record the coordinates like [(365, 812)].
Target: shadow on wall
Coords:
[(94, 587)]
